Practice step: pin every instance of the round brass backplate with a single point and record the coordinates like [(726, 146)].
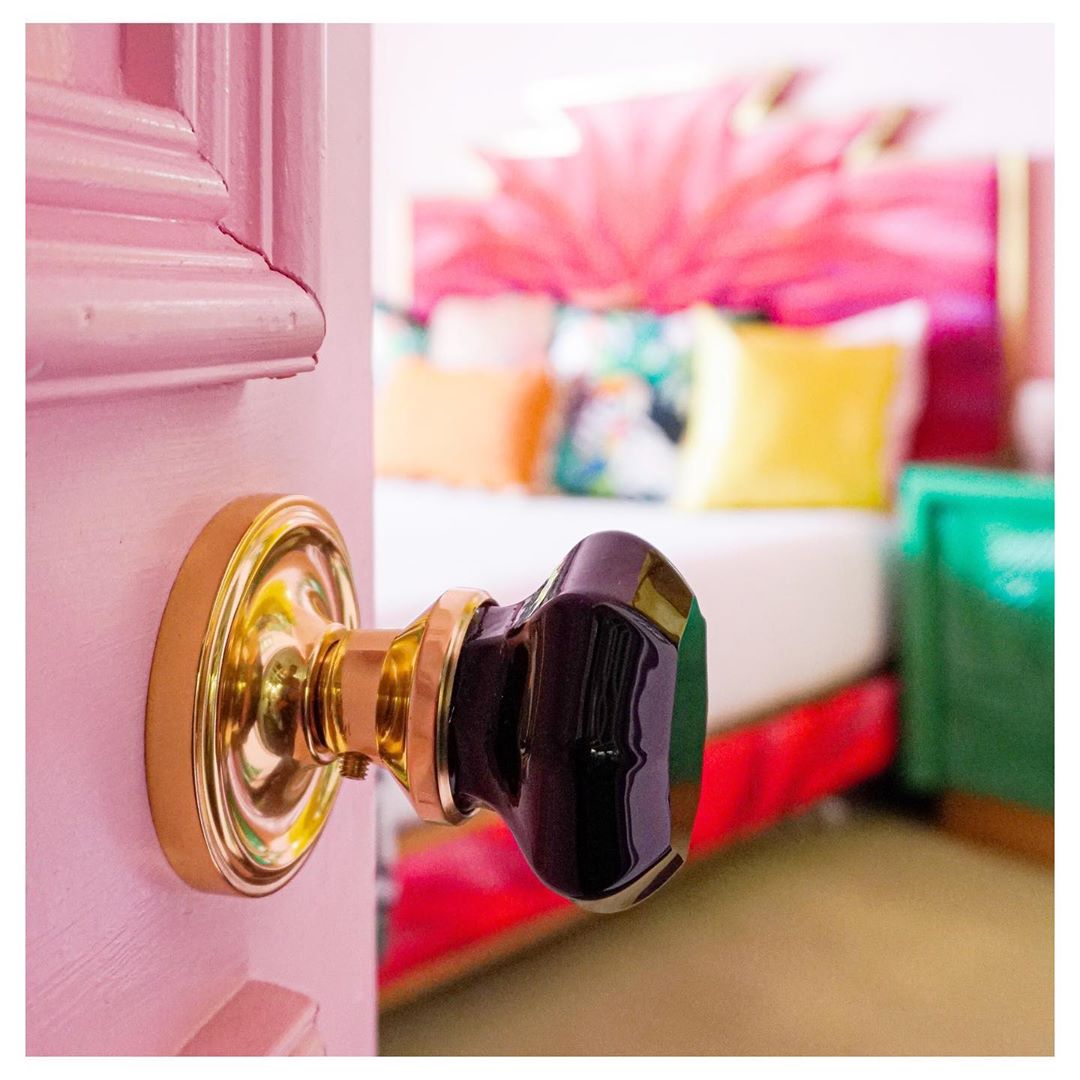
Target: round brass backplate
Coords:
[(237, 805)]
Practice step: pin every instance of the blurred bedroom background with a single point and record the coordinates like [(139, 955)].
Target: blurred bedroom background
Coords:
[(780, 300)]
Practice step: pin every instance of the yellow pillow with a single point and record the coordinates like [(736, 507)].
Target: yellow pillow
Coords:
[(785, 417), (476, 428)]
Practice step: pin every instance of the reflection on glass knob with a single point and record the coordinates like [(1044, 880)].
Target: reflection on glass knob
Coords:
[(577, 714)]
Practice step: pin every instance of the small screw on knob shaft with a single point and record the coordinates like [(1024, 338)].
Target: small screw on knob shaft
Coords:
[(354, 766)]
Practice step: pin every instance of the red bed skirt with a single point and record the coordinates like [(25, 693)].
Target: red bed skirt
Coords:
[(464, 895)]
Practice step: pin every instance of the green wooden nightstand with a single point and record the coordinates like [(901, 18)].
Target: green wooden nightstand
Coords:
[(977, 645)]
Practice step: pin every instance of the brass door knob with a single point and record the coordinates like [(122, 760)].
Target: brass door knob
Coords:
[(577, 714)]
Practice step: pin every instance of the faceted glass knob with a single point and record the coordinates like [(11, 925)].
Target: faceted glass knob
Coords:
[(579, 716)]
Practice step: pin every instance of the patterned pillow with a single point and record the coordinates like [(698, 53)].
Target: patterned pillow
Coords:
[(628, 392)]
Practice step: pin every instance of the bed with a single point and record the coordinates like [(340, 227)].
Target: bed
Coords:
[(796, 601), (801, 699), (798, 610)]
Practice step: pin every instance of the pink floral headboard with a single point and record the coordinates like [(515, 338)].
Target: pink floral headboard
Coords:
[(678, 198)]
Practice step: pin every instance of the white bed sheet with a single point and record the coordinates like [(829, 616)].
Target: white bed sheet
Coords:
[(796, 601)]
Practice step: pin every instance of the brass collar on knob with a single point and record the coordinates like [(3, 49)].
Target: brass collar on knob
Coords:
[(385, 695)]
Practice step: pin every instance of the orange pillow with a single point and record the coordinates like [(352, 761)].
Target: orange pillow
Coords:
[(478, 428)]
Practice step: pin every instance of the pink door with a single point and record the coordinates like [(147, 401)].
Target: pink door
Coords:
[(197, 331)]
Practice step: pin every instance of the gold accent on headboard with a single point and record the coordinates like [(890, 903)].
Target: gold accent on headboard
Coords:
[(1013, 259), (761, 99), (879, 135)]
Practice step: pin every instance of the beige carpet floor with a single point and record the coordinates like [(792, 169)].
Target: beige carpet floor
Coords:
[(876, 936)]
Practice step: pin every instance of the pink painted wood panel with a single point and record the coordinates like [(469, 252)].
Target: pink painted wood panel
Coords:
[(87, 56), (122, 957)]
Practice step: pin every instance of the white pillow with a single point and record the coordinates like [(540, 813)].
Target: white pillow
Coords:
[(1033, 424), (507, 330)]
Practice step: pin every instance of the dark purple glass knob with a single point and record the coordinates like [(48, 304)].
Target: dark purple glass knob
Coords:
[(579, 716)]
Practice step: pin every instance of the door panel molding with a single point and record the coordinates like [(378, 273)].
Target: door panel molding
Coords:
[(172, 242), (260, 1020)]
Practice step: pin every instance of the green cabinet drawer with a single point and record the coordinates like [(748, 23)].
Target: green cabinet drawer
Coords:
[(977, 625)]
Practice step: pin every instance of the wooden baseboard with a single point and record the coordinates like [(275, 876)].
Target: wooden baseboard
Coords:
[(1000, 824)]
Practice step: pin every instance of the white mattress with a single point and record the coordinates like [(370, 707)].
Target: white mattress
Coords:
[(796, 601)]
